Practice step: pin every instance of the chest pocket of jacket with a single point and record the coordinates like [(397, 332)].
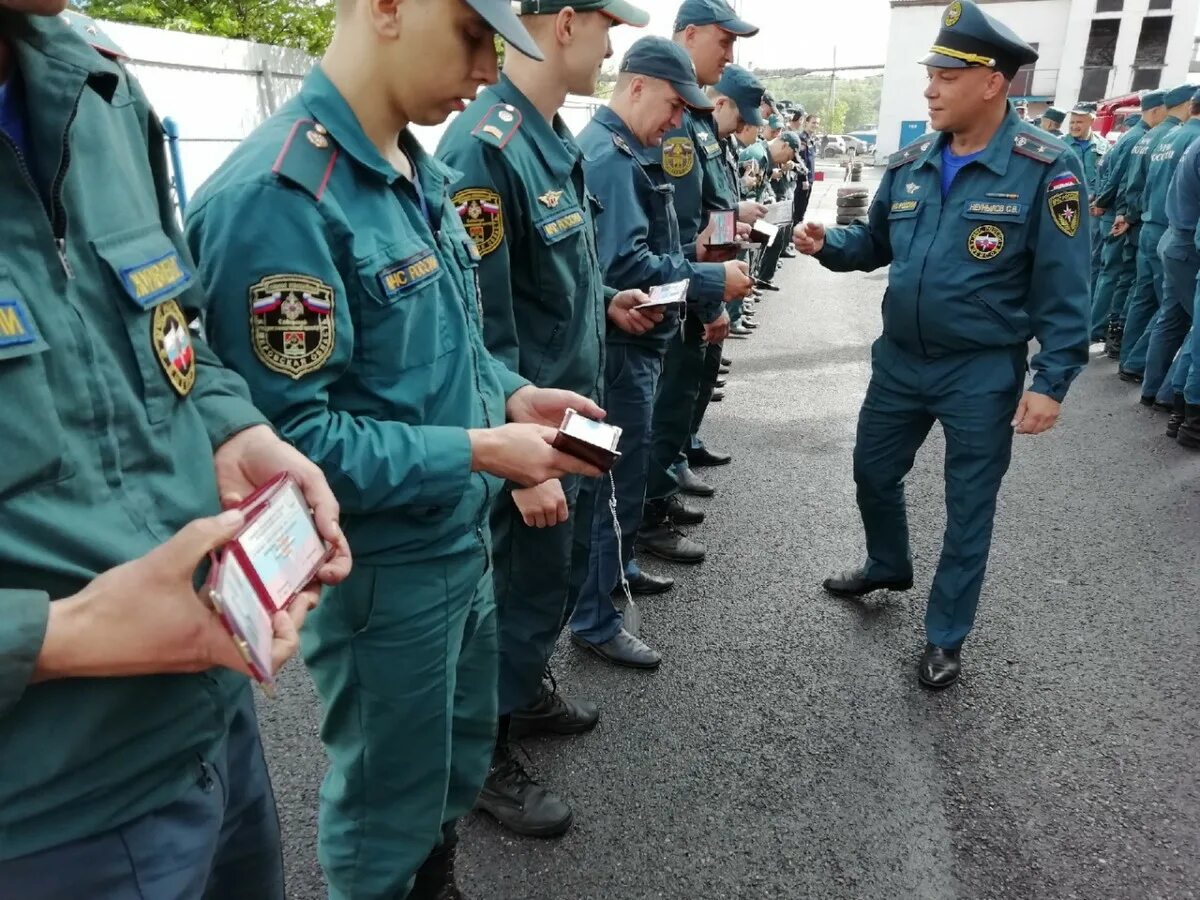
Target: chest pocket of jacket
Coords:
[(151, 275), (402, 322), (664, 222), (32, 440), (902, 225), (995, 230)]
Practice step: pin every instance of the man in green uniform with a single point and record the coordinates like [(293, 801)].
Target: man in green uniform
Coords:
[(1134, 208), (1052, 120), (353, 311), (1116, 260), (982, 225), (1091, 149), (545, 313), (692, 157), (131, 757)]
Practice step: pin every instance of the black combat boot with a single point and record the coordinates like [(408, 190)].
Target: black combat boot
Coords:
[(1177, 413), (1112, 344), (1189, 431)]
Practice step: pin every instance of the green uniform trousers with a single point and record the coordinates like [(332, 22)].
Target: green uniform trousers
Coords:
[(404, 659), (533, 594)]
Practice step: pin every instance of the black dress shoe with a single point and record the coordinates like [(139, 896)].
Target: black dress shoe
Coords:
[(720, 382), (435, 880), (788, 253), (717, 397), (1178, 412), (517, 802), (646, 585), (1146, 401), (702, 456), (679, 512), (552, 713), (1132, 377), (726, 361), (852, 583), (939, 667), (724, 370), (666, 542), (1189, 431), (623, 650), (1165, 407), (766, 284), (691, 483), (749, 323)]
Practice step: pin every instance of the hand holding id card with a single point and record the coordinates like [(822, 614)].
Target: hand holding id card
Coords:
[(593, 442), (263, 569), (671, 294)]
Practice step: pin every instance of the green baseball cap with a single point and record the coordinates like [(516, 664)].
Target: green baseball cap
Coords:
[(713, 12), (791, 139), (621, 11), (743, 88), (502, 19), (660, 58)]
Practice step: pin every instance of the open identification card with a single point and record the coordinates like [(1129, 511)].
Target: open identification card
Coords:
[(589, 440), (258, 573), (671, 294), (763, 231), (724, 231)]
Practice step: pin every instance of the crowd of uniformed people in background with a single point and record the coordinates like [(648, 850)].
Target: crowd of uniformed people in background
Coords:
[(403, 331)]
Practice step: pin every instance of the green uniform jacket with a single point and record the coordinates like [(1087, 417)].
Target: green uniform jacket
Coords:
[(693, 160), (113, 413), (1115, 165), (1163, 162), (1003, 258), (1091, 155), (757, 152), (1131, 202), (523, 200), (356, 320)]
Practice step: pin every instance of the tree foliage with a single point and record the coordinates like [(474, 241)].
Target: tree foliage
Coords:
[(303, 24), (855, 100)]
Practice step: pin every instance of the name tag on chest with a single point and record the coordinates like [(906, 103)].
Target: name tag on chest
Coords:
[(149, 282), (401, 277), (561, 225)]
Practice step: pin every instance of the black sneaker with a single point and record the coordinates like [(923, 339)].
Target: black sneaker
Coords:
[(512, 797)]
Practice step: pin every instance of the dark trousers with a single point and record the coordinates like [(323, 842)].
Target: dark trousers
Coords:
[(974, 396), (1181, 263), (769, 264), (1144, 300), (800, 203), (674, 407), (533, 591), (219, 841), (631, 378)]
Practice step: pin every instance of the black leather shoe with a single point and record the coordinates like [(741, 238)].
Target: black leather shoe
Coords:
[(724, 370), (1165, 407), (702, 456), (1189, 431), (553, 713), (1146, 401), (1132, 377), (517, 802), (1178, 411), (766, 284), (679, 512), (720, 382), (717, 397), (645, 585), (623, 650), (1112, 344), (726, 361), (788, 253), (691, 483), (435, 879), (749, 323), (852, 583), (666, 542), (939, 667)]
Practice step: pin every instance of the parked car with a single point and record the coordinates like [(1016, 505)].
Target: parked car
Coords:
[(832, 145), (855, 145)]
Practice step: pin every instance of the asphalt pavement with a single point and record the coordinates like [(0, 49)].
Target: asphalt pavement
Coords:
[(785, 750)]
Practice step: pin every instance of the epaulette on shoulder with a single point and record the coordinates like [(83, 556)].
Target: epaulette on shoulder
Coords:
[(912, 151), (307, 157), (1039, 145), (498, 125), (87, 29)]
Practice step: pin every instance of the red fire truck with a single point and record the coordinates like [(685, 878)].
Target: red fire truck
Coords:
[(1111, 114)]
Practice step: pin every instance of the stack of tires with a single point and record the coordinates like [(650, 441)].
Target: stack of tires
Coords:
[(852, 204)]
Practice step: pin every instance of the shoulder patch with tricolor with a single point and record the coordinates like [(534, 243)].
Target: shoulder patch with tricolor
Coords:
[(1065, 202), (292, 326), (498, 125), (482, 216), (173, 346), (307, 157)]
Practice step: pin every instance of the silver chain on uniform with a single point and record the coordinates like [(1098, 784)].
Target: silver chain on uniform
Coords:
[(612, 508)]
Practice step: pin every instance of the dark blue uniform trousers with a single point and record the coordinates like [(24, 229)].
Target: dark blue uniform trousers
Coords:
[(683, 371), (1180, 263), (1144, 300), (219, 841), (974, 395), (533, 591), (631, 379)]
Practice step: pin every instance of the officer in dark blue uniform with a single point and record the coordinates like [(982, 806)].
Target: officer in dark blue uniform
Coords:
[(1052, 120), (984, 226)]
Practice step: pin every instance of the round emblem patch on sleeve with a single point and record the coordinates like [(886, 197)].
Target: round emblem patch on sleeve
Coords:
[(986, 242), (482, 216), (679, 156), (173, 346), (291, 323)]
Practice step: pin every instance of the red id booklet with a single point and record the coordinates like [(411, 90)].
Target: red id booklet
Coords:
[(258, 573)]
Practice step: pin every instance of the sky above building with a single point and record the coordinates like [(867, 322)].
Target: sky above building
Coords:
[(795, 33)]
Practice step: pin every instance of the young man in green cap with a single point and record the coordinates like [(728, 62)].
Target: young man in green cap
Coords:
[(131, 754), (1117, 260), (639, 245), (546, 310), (1142, 204), (692, 157), (982, 225), (344, 287)]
